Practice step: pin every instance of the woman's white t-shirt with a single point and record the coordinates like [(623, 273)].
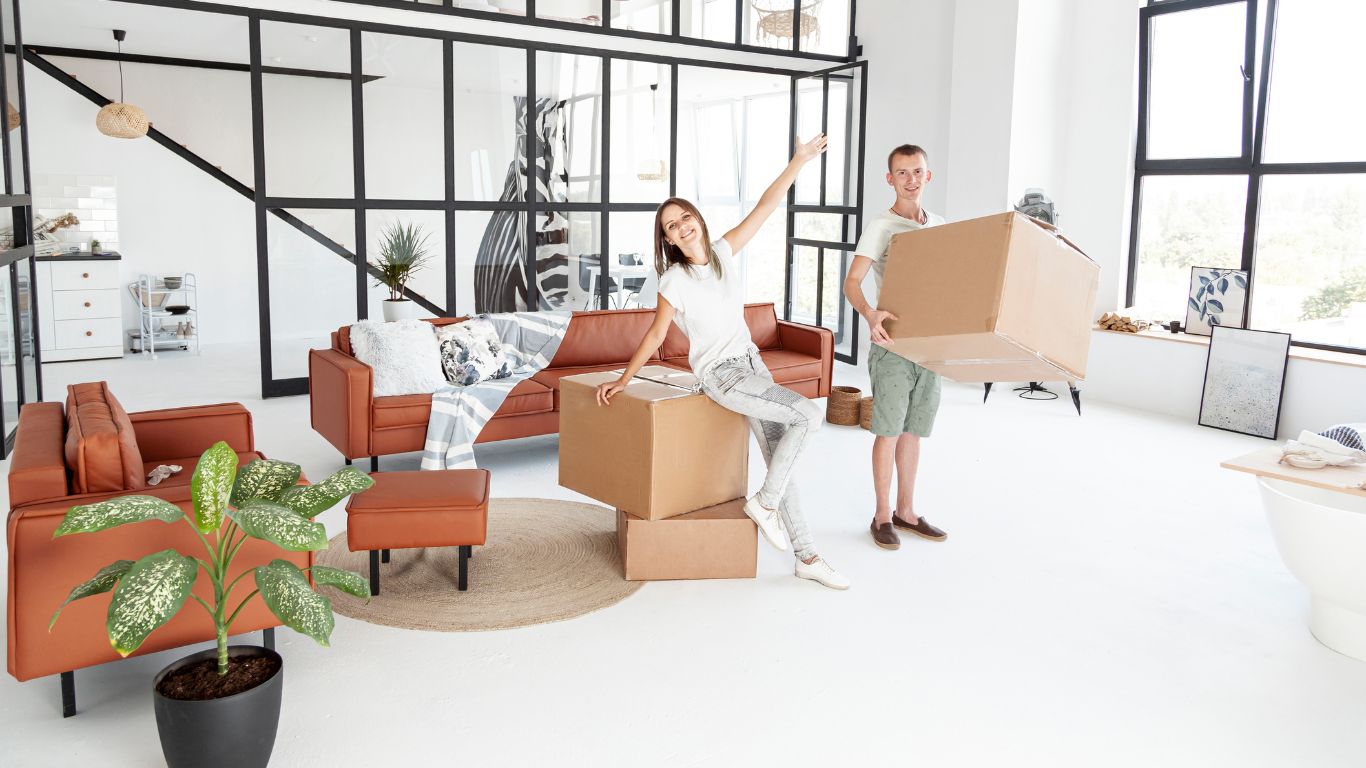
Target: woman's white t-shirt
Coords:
[(710, 311)]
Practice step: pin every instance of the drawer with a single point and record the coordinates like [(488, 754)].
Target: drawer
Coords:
[(99, 332), (83, 305), (84, 275)]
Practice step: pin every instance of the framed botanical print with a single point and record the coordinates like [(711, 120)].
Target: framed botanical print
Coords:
[(1216, 299)]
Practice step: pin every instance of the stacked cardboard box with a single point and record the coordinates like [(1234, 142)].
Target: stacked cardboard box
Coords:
[(1000, 298), (674, 465)]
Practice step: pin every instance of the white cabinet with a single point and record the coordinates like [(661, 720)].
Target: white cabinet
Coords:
[(79, 309)]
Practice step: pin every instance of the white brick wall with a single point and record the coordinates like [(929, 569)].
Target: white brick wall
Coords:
[(93, 199)]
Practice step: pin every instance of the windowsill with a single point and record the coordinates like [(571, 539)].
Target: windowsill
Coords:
[(1296, 353)]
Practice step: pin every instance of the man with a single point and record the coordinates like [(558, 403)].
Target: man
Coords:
[(905, 396)]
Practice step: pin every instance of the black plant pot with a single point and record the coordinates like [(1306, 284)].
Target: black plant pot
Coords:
[(235, 731)]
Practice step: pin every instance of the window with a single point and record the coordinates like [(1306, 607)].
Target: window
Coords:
[(1248, 158)]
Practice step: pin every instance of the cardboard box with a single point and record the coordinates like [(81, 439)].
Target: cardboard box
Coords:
[(657, 451), (719, 542), (1000, 298)]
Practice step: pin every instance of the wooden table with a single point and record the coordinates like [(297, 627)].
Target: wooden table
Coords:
[(1267, 463)]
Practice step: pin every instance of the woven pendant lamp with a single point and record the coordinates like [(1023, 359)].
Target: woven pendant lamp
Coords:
[(12, 118), (117, 119)]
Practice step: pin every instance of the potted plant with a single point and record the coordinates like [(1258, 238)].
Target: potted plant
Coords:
[(95, 247), (221, 707), (402, 251)]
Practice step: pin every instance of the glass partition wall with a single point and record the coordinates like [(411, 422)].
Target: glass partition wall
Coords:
[(530, 171), (20, 375)]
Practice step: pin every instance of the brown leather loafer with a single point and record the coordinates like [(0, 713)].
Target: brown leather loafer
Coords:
[(884, 536), (922, 528)]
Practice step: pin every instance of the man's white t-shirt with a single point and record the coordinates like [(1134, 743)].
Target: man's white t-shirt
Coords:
[(877, 236), (710, 311)]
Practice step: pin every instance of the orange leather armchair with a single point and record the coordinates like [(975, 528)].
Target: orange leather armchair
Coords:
[(92, 451), (345, 411)]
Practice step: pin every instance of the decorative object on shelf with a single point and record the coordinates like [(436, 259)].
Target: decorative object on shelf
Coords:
[(117, 118), (1112, 321), (94, 247), (1216, 298), (262, 501), (1244, 381), (177, 309), (402, 251), (172, 282), (842, 407), (1174, 326), (652, 168), (775, 20)]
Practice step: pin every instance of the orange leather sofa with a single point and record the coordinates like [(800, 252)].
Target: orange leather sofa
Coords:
[(345, 411), (92, 451)]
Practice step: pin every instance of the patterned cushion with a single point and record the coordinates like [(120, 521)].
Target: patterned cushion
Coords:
[(1351, 435), (471, 352), (402, 354)]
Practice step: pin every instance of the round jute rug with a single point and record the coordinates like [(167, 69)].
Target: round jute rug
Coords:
[(545, 560)]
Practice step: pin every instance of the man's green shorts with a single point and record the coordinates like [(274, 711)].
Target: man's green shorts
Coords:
[(905, 396)]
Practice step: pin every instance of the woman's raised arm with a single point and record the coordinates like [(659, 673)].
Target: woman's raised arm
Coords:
[(745, 231)]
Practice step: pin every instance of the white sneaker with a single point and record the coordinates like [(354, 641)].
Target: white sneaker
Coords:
[(819, 570), (769, 522)]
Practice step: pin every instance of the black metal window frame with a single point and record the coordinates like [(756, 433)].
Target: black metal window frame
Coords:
[(1250, 163), (18, 259), (267, 205), (449, 8), (853, 175)]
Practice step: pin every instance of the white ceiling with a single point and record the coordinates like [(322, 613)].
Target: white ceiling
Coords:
[(410, 62)]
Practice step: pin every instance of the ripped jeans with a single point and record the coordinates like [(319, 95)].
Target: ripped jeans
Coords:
[(784, 423)]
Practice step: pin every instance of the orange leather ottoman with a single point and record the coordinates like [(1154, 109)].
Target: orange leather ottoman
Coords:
[(405, 510)]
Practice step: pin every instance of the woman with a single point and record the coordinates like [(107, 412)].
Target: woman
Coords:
[(700, 286)]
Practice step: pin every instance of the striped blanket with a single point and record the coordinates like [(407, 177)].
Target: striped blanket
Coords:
[(530, 340)]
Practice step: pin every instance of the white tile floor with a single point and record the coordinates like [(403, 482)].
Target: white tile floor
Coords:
[(1107, 597)]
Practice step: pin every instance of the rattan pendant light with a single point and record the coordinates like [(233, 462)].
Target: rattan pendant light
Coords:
[(117, 119)]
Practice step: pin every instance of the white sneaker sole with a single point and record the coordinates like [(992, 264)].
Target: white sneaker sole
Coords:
[(756, 513)]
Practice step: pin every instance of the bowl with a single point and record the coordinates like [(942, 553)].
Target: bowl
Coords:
[(177, 309), (171, 282)]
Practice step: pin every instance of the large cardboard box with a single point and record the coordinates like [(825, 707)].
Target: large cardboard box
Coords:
[(1000, 298), (719, 542), (658, 450)]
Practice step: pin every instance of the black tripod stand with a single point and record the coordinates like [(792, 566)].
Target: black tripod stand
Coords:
[(1036, 391)]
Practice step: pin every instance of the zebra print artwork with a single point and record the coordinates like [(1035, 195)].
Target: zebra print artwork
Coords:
[(499, 267)]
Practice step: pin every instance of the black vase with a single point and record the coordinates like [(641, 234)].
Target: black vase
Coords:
[(235, 731)]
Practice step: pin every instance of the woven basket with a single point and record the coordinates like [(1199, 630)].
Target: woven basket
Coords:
[(122, 121), (865, 413), (842, 406)]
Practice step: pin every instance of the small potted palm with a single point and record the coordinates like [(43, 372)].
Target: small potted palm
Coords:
[(402, 251), (221, 707)]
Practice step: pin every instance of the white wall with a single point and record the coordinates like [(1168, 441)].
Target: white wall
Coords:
[(978, 171), (172, 217)]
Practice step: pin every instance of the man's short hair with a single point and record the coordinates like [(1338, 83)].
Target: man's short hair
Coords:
[(906, 150)]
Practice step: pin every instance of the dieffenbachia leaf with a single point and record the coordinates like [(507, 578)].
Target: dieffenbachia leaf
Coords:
[(280, 526), (287, 594), (347, 581), (313, 500), (148, 595), (263, 479), (101, 582), (212, 485), (89, 518)]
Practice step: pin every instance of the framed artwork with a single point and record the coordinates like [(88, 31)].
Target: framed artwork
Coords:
[(1216, 299), (1244, 381)]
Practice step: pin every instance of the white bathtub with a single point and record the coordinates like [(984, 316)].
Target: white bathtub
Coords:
[(1322, 538)]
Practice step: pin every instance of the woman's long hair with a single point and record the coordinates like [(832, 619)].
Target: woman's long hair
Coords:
[(666, 253)]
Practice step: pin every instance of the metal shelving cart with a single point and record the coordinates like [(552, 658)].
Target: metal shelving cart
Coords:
[(152, 296)]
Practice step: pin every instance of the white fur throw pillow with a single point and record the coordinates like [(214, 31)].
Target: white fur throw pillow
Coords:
[(404, 356)]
